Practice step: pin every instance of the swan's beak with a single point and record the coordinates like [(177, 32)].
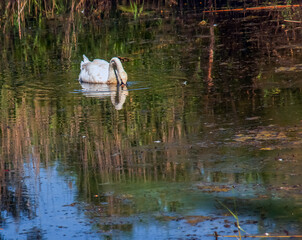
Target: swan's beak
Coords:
[(123, 84), (124, 78)]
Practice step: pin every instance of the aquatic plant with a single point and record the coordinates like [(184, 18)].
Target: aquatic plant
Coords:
[(239, 229), (135, 8), (236, 217)]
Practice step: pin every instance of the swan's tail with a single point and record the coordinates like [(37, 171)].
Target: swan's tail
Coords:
[(85, 61)]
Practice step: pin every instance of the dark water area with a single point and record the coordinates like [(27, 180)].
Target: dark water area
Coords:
[(210, 124)]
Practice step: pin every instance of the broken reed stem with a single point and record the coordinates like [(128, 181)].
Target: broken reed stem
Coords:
[(262, 236), (292, 21), (253, 8)]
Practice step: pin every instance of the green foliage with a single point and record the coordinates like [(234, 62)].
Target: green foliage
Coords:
[(236, 217), (135, 8)]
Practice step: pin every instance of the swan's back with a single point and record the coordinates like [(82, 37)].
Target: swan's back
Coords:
[(96, 71)]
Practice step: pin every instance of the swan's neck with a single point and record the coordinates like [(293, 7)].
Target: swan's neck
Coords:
[(115, 70)]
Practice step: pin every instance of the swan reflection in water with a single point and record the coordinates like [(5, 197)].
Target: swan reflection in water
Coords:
[(117, 93)]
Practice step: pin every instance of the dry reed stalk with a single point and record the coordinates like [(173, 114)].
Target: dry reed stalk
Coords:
[(253, 8), (20, 10), (292, 21)]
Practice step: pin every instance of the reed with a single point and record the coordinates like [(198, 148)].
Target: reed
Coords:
[(15, 12)]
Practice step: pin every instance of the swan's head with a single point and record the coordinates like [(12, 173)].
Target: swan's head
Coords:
[(120, 74), (123, 78)]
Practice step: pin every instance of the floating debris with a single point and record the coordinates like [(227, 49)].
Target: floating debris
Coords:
[(210, 189)]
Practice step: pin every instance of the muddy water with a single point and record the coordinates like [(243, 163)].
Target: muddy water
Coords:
[(209, 123)]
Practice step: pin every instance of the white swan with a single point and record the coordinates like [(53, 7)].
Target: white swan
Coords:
[(100, 71)]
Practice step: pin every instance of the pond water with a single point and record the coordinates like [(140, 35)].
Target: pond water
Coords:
[(210, 124)]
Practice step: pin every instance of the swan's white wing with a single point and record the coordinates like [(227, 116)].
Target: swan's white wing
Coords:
[(94, 72)]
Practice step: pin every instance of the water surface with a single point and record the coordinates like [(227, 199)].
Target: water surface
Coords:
[(210, 121)]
